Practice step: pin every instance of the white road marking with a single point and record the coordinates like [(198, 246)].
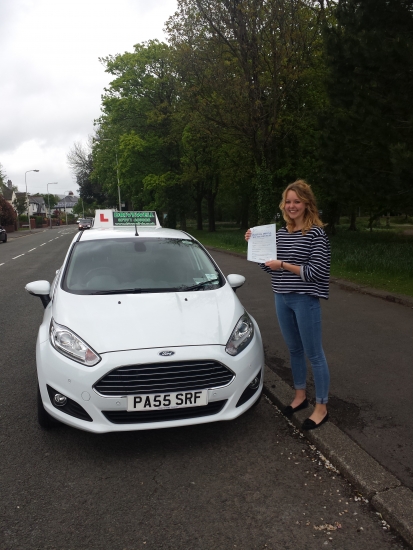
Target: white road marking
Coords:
[(43, 244), (32, 249), (17, 256), (51, 240), (2, 263)]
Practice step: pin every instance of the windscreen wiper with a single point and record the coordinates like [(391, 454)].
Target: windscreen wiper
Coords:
[(198, 285), (121, 291), (133, 291)]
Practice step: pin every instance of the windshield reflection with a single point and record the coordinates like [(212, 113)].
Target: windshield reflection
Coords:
[(139, 265)]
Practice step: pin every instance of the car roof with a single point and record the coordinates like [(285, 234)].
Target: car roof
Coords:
[(127, 232)]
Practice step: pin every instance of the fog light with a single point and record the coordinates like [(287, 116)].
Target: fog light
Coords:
[(60, 400), (255, 383)]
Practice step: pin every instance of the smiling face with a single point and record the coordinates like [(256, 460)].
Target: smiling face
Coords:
[(295, 208)]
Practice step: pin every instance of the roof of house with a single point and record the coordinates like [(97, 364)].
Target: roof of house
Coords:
[(6, 192), (37, 200), (69, 202)]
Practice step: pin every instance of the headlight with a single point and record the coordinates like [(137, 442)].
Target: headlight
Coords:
[(241, 335), (68, 343)]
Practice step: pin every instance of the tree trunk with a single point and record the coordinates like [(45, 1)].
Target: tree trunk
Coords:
[(198, 201), (199, 224), (352, 226), (211, 210), (182, 221), (244, 213)]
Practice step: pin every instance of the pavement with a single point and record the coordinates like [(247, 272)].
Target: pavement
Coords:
[(27, 233), (385, 492)]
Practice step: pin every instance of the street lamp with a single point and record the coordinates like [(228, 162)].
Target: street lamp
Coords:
[(48, 199), (27, 198), (117, 170)]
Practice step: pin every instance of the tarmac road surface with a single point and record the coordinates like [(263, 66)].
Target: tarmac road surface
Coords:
[(369, 347), (254, 483)]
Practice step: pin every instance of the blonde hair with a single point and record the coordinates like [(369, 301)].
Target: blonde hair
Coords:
[(306, 195)]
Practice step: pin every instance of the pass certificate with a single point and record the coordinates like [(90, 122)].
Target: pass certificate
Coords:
[(262, 245)]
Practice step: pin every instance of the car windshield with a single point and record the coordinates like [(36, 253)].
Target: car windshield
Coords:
[(134, 265), (84, 221)]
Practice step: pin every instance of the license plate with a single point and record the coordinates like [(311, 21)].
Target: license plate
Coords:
[(174, 400)]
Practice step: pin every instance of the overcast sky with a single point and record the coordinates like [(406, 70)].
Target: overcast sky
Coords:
[(51, 80)]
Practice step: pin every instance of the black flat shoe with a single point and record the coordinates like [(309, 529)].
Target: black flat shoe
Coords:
[(289, 411), (311, 425)]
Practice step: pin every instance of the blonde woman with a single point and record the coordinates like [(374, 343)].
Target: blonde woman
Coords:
[(299, 278)]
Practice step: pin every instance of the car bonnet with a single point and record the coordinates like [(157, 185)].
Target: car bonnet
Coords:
[(138, 321)]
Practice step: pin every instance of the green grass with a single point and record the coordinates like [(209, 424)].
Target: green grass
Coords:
[(379, 259)]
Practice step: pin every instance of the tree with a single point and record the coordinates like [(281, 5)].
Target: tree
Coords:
[(139, 132), (50, 199), (80, 160), (7, 213), (20, 204), (247, 66), (3, 176), (367, 126)]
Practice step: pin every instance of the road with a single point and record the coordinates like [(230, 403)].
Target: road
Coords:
[(253, 483), (368, 344)]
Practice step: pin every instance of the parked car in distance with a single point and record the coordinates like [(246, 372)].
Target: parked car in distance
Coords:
[(165, 342), (3, 235), (85, 223)]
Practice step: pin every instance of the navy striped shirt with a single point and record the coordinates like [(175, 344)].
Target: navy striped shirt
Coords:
[(312, 253)]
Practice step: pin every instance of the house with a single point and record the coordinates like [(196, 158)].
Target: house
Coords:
[(67, 203), (8, 192), (37, 206)]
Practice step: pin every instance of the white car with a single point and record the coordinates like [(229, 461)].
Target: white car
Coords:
[(141, 330)]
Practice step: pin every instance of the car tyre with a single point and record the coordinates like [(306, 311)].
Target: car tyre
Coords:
[(5, 238), (45, 420)]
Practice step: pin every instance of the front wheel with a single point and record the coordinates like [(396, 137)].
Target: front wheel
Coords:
[(46, 421)]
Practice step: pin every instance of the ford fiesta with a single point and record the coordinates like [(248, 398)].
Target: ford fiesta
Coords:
[(141, 330)]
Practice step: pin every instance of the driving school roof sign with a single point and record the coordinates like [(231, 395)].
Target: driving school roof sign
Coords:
[(109, 219), (134, 218)]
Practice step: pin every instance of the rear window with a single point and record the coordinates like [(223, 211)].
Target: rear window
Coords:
[(139, 265)]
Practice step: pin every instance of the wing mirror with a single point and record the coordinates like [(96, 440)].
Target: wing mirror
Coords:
[(40, 289), (235, 281)]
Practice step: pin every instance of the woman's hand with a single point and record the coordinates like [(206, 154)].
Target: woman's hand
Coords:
[(274, 265), (248, 235)]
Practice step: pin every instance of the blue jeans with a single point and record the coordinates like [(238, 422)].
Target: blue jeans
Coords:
[(299, 316)]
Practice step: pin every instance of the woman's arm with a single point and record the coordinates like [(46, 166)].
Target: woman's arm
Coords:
[(317, 268), (279, 264)]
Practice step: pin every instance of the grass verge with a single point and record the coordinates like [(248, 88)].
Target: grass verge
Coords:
[(379, 259)]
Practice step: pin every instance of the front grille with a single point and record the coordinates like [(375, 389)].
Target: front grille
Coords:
[(164, 377), (139, 417)]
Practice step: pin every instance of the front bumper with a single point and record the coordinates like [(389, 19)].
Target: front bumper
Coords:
[(109, 414)]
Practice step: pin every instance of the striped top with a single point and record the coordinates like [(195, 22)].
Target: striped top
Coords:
[(312, 253)]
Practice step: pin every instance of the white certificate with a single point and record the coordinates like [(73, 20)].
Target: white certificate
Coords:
[(262, 245)]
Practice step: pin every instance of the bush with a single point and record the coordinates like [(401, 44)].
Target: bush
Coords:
[(7, 213), (39, 221), (403, 219), (23, 218)]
